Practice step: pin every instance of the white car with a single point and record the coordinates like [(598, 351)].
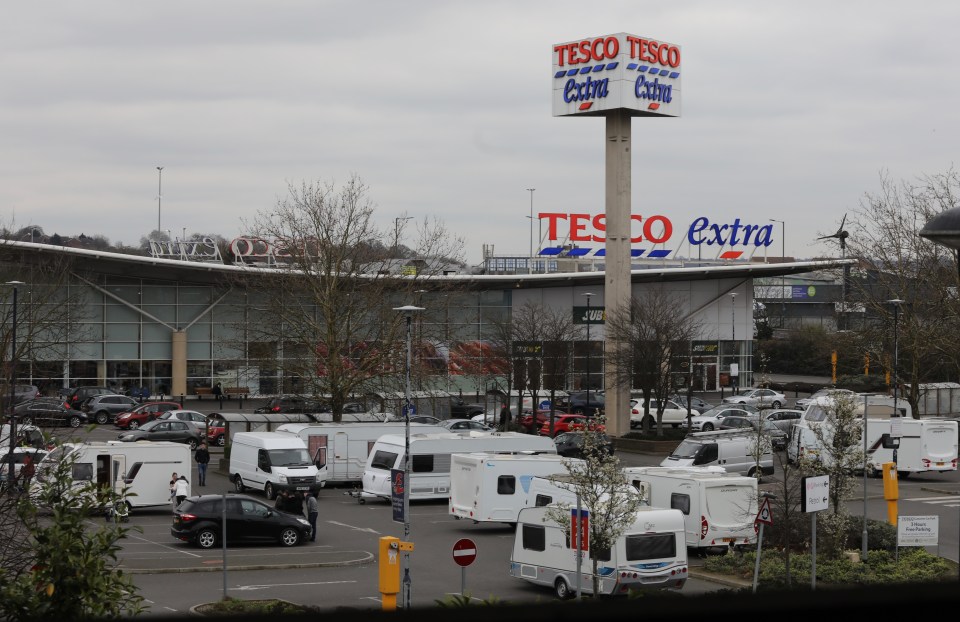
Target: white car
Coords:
[(761, 398), (673, 413), (711, 419), (197, 420), (802, 403)]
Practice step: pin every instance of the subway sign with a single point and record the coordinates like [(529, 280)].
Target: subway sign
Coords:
[(597, 75), (732, 237)]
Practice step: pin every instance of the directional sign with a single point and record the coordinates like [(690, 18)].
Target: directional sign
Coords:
[(765, 515), (816, 493), (464, 552)]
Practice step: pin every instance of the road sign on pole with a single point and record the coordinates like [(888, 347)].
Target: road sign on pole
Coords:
[(464, 552), (765, 515)]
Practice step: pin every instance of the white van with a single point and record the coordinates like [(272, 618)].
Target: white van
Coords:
[(718, 508), (273, 461), (649, 554), (488, 487), (431, 456), (343, 448), (731, 449), (143, 468)]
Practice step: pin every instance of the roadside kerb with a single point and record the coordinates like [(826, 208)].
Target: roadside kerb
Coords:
[(719, 579), (366, 558)]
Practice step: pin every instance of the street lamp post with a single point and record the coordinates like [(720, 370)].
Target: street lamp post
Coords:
[(11, 476), (944, 229), (408, 311), (530, 261), (159, 194), (896, 302), (589, 295), (783, 256), (733, 338)]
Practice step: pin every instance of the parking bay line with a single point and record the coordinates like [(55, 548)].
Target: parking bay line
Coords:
[(364, 529), (264, 586)]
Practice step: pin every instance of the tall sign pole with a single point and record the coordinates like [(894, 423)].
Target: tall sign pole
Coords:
[(617, 77)]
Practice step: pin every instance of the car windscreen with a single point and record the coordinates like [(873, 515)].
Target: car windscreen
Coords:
[(686, 449), (296, 456)]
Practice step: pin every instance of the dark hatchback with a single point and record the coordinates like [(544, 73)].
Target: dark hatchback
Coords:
[(570, 444), (49, 412), (199, 520)]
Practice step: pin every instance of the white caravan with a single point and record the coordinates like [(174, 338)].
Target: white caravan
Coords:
[(488, 487), (271, 462), (718, 508), (734, 450), (650, 554), (430, 459), (344, 447), (141, 468)]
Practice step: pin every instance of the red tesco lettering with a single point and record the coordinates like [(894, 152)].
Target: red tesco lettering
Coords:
[(587, 51), (650, 51)]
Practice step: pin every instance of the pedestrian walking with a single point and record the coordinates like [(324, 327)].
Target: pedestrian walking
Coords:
[(202, 456), (173, 491), (181, 489), (313, 511)]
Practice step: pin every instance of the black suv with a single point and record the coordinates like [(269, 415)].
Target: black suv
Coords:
[(78, 396), (461, 410), (199, 520), (578, 403)]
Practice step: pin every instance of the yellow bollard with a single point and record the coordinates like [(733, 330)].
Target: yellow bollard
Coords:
[(891, 491), (389, 565)]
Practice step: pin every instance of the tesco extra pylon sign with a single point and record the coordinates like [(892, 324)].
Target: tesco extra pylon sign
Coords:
[(647, 232), (599, 74)]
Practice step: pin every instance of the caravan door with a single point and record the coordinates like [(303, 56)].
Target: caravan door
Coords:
[(119, 473)]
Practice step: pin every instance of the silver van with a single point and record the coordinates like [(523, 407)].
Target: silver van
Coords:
[(730, 449)]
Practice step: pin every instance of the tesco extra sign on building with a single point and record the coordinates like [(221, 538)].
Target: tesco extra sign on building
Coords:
[(596, 75)]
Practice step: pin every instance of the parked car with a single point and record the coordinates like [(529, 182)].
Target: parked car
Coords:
[(783, 418), (673, 414), (778, 438), (192, 417), (79, 395), (164, 430), (803, 402), (143, 413), (49, 411), (23, 393), (570, 444), (761, 398), (105, 408), (199, 520), (568, 423), (216, 433), (696, 403), (424, 419), (293, 404), (711, 419), (461, 410), (464, 425), (581, 403), (532, 422)]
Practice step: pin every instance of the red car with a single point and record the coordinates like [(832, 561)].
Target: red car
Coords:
[(568, 423), (142, 414), (543, 416), (216, 433)]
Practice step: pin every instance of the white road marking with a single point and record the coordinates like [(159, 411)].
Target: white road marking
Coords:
[(165, 546), (265, 586), (941, 498), (365, 529)]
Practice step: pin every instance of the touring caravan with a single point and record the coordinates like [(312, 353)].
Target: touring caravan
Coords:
[(345, 447), (718, 508), (649, 554), (431, 456), (488, 487), (142, 468)]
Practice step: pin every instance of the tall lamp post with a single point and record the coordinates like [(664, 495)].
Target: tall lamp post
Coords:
[(11, 476), (408, 311), (944, 229), (733, 338), (159, 194), (530, 261), (589, 295), (783, 256), (896, 302)]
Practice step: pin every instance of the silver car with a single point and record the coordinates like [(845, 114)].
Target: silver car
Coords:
[(711, 419)]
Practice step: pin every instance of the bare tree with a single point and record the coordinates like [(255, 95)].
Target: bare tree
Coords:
[(327, 313), (653, 330)]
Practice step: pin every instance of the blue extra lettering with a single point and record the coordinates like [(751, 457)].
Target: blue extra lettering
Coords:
[(702, 231), (574, 91), (654, 91)]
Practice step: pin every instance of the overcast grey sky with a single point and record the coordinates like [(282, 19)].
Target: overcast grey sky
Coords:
[(790, 111)]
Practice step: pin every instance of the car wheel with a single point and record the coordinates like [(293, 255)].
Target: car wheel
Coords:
[(102, 417), (289, 537), (192, 443), (562, 589), (269, 491), (707, 427), (238, 484), (74, 421), (648, 421), (134, 424), (776, 404), (207, 538), (221, 441)]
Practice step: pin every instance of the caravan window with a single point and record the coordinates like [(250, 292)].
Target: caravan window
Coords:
[(534, 538), (422, 463), (654, 546), (680, 502), (83, 471), (543, 500), (132, 473), (815, 413), (602, 555), (384, 460), (506, 485)]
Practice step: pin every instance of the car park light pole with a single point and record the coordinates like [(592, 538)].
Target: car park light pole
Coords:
[(589, 295), (11, 476), (408, 311)]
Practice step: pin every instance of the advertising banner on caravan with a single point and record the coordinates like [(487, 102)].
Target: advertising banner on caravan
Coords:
[(595, 75)]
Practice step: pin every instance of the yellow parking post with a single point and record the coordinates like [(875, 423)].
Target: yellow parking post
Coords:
[(891, 491), (389, 565)]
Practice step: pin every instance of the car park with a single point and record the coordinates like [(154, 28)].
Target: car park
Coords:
[(143, 413), (803, 402), (79, 395), (464, 425), (570, 444), (761, 398), (49, 411), (778, 438), (783, 418), (673, 414), (711, 419), (199, 520), (192, 417), (104, 408), (164, 430), (696, 404)]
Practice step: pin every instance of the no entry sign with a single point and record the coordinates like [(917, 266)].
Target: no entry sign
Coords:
[(464, 552)]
